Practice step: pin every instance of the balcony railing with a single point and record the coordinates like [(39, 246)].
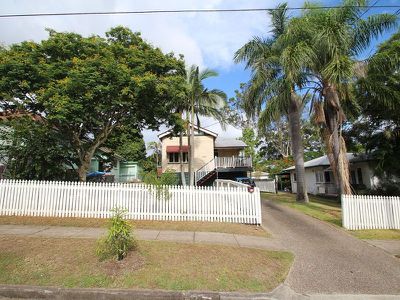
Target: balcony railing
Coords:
[(233, 162)]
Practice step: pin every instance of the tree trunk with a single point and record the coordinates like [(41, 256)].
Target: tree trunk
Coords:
[(297, 147), (85, 156), (189, 145), (84, 167), (183, 179), (334, 118), (191, 170)]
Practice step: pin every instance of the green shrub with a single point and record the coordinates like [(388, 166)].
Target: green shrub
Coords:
[(119, 240), (159, 184)]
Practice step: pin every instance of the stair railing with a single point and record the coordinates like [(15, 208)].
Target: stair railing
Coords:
[(204, 170)]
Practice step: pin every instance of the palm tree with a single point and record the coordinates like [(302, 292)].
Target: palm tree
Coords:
[(156, 148), (334, 37), (273, 83), (201, 102)]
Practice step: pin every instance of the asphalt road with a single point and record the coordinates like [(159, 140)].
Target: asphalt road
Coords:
[(329, 260)]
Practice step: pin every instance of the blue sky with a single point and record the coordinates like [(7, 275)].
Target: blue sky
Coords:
[(206, 39)]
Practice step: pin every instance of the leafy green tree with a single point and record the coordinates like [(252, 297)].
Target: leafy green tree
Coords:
[(331, 38), (377, 131), (127, 142), (275, 77), (86, 87), (275, 140), (313, 146), (236, 113), (32, 150), (276, 166), (252, 142)]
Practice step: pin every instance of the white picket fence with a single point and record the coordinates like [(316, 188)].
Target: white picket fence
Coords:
[(142, 202), (370, 212)]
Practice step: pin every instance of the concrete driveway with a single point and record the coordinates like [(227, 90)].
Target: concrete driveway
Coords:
[(327, 259)]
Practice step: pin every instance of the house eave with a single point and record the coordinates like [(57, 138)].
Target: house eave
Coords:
[(169, 132)]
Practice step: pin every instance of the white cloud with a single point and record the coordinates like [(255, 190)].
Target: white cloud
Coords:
[(206, 39)]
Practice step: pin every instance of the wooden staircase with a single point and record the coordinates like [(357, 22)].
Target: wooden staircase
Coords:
[(209, 170), (206, 172), (203, 181)]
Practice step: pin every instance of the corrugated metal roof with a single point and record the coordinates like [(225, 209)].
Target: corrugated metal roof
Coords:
[(229, 143), (324, 161)]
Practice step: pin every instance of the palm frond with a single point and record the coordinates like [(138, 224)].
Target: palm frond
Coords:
[(279, 20), (295, 59), (338, 69), (253, 51), (276, 107), (207, 73), (366, 30)]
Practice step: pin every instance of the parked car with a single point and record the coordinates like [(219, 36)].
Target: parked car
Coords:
[(246, 180)]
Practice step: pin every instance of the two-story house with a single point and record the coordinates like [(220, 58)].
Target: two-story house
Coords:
[(214, 157)]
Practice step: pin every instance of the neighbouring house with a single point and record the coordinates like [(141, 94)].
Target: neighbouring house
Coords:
[(214, 156), (320, 180), (119, 171)]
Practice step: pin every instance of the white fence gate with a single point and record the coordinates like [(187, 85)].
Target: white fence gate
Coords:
[(370, 212), (143, 202), (266, 185)]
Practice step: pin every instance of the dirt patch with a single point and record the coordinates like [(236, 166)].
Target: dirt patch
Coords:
[(131, 263)]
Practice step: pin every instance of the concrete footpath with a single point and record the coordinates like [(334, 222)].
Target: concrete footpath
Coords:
[(390, 246), (146, 234)]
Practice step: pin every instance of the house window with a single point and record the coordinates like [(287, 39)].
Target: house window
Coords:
[(359, 175), (353, 179), (319, 176), (327, 176), (294, 177), (173, 157)]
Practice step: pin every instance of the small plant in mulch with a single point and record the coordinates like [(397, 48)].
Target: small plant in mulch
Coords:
[(119, 240)]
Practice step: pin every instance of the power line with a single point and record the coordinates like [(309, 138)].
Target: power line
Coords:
[(368, 9), (168, 11)]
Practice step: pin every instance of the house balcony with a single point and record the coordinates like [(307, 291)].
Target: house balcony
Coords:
[(223, 164), (233, 162)]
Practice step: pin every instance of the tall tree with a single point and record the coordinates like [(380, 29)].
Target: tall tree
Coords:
[(251, 140), (31, 150), (87, 87), (201, 102), (334, 37), (128, 143), (274, 79), (377, 131), (155, 147)]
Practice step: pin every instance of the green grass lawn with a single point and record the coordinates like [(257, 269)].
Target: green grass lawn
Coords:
[(155, 265), (377, 234), (140, 224), (329, 210), (324, 209)]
